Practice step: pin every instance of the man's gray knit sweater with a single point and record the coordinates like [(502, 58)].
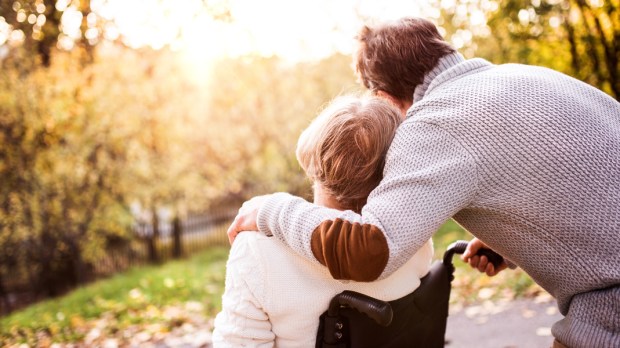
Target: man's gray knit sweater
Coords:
[(525, 158)]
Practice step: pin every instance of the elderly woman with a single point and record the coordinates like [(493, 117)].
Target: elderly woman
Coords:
[(274, 296)]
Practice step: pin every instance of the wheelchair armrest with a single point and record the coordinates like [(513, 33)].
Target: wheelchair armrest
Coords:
[(377, 310)]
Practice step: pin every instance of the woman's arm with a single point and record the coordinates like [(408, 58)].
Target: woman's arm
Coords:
[(243, 320)]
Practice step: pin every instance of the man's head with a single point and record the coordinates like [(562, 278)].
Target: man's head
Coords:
[(343, 150), (393, 58)]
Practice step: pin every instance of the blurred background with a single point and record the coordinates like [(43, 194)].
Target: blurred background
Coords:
[(131, 131)]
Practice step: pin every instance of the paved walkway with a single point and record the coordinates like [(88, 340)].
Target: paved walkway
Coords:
[(524, 323)]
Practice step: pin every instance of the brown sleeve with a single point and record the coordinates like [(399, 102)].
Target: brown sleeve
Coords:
[(350, 250)]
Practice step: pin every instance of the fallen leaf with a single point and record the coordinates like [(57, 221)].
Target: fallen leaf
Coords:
[(543, 331), (486, 293), (528, 313), (552, 310)]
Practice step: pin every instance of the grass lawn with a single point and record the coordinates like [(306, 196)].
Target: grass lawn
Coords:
[(140, 295), (148, 295)]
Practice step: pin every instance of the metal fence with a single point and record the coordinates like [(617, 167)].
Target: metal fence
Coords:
[(181, 237), (150, 245)]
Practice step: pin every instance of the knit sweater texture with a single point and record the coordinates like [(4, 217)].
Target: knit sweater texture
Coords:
[(526, 159)]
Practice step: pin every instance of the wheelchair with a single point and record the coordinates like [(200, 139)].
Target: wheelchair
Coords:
[(354, 320)]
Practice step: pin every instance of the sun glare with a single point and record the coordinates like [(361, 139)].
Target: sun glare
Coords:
[(295, 30)]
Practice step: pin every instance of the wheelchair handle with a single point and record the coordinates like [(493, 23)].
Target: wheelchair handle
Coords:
[(459, 247), (377, 310)]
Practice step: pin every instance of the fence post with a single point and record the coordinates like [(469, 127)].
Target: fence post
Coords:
[(177, 230), (152, 240)]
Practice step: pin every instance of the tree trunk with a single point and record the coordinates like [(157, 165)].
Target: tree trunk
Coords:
[(589, 42), (570, 31), (4, 296), (77, 263)]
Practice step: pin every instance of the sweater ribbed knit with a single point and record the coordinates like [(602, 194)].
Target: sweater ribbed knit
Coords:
[(526, 159)]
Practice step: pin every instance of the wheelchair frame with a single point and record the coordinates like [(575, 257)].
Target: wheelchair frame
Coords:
[(416, 320)]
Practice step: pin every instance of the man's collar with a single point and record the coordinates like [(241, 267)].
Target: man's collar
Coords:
[(446, 62)]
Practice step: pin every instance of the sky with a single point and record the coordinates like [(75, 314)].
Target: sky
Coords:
[(295, 30), (292, 29)]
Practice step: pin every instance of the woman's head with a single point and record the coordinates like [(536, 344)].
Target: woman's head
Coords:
[(343, 150), (394, 57)]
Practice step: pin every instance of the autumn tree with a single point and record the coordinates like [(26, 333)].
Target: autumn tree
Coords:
[(62, 159), (577, 37), (37, 24), (264, 104), (84, 132)]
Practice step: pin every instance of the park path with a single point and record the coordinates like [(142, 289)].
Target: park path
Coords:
[(521, 323), (502, 323)]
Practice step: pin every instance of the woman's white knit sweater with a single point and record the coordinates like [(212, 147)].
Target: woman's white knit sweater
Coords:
[(275, 297), (525, 158)]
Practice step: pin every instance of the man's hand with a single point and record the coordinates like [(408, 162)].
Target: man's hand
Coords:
[(246, 218), (481, 262)]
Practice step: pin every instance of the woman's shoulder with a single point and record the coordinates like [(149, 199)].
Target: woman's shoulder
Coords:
[(246, 252), (255, 248), (253, 242), (274, 258), (247, 238)]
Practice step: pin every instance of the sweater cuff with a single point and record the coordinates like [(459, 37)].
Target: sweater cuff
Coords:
[(269, 212), (510, 264)]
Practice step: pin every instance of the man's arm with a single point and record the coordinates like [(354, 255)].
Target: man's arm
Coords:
[(366, 247), (428, 177)]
